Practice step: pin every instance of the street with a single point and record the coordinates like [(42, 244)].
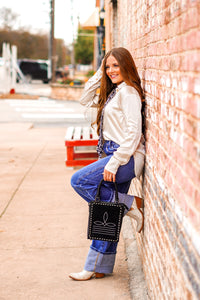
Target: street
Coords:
[(36, 87), (43, 112)]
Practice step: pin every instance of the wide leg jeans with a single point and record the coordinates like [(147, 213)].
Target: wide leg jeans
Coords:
[(101, 256)]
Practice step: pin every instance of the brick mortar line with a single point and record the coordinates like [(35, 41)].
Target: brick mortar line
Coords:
[(169, 37), (183, 250), (178, 262), (148, 16), (170, 55), (163, 40), (175, 144), (173, 161), (175, 217), (165, 233), (175, 89), (22, 180), (179, 110), (158, 70), (194, 162), (174, 178), (159, 256), (171, 90), (167, 73)]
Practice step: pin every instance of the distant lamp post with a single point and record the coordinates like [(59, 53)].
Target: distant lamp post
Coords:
[(52, 45), (101, 36), (102, 16)]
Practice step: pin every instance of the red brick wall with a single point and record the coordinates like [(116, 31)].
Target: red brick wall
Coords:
[(164, 39)]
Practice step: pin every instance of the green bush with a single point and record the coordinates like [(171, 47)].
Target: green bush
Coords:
[(90, 73)]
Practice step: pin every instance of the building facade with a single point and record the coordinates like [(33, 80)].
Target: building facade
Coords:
[(164, 39)]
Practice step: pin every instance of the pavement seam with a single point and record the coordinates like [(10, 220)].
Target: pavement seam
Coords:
[(22, 180)]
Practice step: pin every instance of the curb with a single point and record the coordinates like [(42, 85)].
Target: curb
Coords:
[(137, 283)]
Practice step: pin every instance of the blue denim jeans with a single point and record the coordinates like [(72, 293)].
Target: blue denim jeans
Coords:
[(101, 256)]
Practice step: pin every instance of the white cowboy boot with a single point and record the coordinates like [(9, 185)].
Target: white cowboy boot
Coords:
[(136, 214), (85, 275)]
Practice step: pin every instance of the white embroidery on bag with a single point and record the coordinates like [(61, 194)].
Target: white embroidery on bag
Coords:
[(105, 218), (104, 227)]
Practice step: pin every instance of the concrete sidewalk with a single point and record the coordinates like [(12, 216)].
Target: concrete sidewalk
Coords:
[(43, 223)]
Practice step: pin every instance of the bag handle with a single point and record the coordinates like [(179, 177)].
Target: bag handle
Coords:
[(97, 198)]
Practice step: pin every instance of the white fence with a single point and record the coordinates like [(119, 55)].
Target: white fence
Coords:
[(8, 69)]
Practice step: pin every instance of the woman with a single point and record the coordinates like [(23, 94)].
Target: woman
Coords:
[(120, 148)]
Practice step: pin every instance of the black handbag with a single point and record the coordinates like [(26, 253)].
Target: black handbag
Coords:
[(105, 218)]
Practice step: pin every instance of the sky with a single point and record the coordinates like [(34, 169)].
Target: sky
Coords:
[(34, 15)]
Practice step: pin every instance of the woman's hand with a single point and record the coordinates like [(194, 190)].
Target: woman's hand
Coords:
[(108, 176)]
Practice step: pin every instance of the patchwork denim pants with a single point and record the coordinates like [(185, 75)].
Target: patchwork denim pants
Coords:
[(101, 256)]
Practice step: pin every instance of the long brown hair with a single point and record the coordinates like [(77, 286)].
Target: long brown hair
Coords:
[(129, 73)]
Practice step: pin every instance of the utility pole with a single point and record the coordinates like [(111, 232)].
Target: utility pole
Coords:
[(52, 52), (72, 52), (101, 34)]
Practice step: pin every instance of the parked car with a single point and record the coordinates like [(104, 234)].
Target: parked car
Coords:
[(61, 73), (34, 69)]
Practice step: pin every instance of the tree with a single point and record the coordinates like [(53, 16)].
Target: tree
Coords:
[(29, 45), (84, 47), (62, 52), (7, 18), (34, 46)]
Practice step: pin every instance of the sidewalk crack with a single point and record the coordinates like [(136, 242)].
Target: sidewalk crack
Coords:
[(22, 180)]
